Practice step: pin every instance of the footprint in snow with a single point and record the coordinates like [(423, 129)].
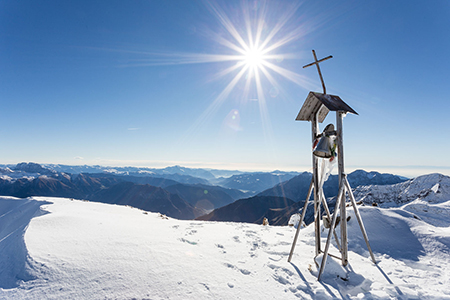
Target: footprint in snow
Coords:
[(257, 244), (205, 286), (243, 271), (196, 224), (221, 247), (250, 233), (187, 241), (276, 268), (282, 243), (276, 259), (281, 279), (278, 253)]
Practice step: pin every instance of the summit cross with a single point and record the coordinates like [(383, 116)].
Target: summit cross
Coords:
[(318, 68)]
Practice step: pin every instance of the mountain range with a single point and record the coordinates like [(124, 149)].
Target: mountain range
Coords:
[(296, 188), (180, 194), (147, 197), (294, 192), (254, 183), (184, 196), (250, 210), (158, 194)]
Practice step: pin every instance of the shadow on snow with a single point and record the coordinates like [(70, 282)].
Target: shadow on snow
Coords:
[(15, 264)]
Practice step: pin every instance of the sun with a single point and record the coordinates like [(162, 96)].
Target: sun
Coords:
[(253, 42), (254, 58), (250, 45)]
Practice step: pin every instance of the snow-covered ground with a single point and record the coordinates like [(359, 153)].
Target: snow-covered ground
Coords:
[(54, 248)]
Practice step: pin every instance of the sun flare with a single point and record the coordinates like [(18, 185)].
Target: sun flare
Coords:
[(253, 42), (254, 46), (254, 58)]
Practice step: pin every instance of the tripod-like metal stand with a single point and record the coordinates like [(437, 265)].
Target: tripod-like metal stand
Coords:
[(315, 109)]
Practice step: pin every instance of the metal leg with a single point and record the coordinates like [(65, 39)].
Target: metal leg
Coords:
[(344, 243), (315, 161), (325, 205), (341, 195)]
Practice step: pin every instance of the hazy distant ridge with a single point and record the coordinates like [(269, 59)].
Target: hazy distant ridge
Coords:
[(182, 195)]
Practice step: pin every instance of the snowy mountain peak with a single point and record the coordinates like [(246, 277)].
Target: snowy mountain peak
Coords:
[(33, 168), (431, 188), (6, 170)]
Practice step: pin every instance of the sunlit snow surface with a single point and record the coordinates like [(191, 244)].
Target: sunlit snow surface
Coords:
[(54, 248)]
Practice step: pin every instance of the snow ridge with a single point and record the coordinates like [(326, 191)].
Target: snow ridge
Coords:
[(432, 188), (15, 263)]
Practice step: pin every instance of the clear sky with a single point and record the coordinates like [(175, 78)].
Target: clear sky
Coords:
[(219, 83)]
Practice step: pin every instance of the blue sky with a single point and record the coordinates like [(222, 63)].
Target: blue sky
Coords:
[(144, 83)]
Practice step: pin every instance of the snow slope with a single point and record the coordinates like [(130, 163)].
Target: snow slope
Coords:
[(55, 248), (426, 196)]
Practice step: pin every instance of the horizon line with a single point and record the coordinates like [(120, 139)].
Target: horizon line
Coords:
[(409, 171)]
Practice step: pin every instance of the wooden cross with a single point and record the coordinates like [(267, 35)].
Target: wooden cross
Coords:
[(318, 68)]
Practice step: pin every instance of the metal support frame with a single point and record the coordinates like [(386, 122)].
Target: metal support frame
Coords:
[(340, 203), (340, 147), (315, 161), (315, 109), (340, 207)]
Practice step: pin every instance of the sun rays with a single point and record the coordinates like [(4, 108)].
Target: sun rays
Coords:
[(249, 55), (254, 52)]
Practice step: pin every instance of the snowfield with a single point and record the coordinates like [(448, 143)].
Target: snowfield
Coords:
[(55, 248)]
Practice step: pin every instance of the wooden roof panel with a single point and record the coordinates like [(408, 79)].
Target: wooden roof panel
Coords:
[(321, 104)]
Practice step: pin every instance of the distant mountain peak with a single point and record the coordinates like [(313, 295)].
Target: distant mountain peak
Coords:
[(432, 188), (32, 167), (6, 170)]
